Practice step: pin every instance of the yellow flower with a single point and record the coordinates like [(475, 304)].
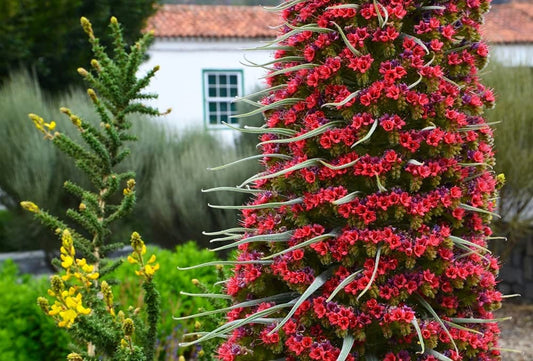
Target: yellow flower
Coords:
[(30, 206), (67, 261), (68, 318), (149, 270)]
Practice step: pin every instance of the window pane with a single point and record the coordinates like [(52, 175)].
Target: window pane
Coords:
[(222, 79), (223, 92), (233, 79), (212, 107), (233, 107), (212, 91), (212, 119), (234, 120), (233, 91), (223, 118), (223, 107), (211, 79)]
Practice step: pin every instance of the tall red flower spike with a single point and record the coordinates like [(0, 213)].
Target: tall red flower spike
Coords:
[(367, 236)]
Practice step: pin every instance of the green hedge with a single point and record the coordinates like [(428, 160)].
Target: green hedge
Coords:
[(27, 334)]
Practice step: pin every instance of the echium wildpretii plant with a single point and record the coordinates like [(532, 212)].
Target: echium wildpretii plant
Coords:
[(366, 239), (80, 300)]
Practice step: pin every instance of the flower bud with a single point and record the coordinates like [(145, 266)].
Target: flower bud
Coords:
[(128, 327), (30, 206)]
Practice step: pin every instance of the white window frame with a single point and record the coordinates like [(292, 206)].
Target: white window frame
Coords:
[(221, 115)]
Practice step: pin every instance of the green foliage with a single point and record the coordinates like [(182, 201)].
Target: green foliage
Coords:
[(514, 148), (170, 284), (166, 164), (45, 37), (26, 332), (82, 302)]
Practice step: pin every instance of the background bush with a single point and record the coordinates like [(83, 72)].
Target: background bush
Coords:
[(171, 171), (27, 334), (514, 150)]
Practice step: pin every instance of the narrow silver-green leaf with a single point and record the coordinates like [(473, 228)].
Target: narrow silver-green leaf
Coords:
[(430, 309), (264, 91), (233, 189), (291, 69), (302, 245), (475, 209), (259, 206), (339, 167), (304, 164), (206, 295), (415, 83), (347, 345), (480, 320), (414, 322), (279, 103), (368, 135), (278, 237), (252, 157), (312, 133), (343, 6), (468, 243), (264, 130), (373, 277), (345, 282), (459, 327), (416, 40), (285, 59), (225, 263), (229, 230), (315, 285), (439, 356), (347, 198), (343, 102), (346, 41)]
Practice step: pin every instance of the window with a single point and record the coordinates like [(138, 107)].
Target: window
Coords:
[(220, 89)]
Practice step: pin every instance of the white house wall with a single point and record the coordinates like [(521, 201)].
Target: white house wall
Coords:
[(513, 54), (179, 80)]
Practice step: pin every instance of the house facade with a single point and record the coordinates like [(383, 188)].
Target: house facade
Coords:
[(200, 49)]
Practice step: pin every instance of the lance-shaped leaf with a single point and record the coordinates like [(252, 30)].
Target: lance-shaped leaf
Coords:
[(381, 188), (232, 325), (258, 156), (302, 245), (315, 285), (436, 317), (285, 59), (480, 320), (347, 344), (229, 230), (368, 135), (415, 83), (382, 20), (458, 240), (475, 209), (225, 263), (432, 7), (339, 167), (260, 206), (283, 5), (470, 127), (374, 273), (344, 6), (346, 41), (277, 237), (295, 30), (415, 324), (291, 69), (345, 282), (282, 297), (206, 295), (343, 102), (438, 355), (312, 133), (279, 103), (459, 327), (233, 189), (262, 130), (416, 40), (347, 198), (301, 165), (229, 237)]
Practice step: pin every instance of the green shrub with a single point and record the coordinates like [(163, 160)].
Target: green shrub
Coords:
[(514, 149), (170, 168), (26, 332)]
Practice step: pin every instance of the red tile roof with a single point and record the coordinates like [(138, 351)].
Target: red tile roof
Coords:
[(505, 23), (509, 23), (213, 21)]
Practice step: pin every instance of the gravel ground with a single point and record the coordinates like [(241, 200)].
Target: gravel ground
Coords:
[(517, 333)]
